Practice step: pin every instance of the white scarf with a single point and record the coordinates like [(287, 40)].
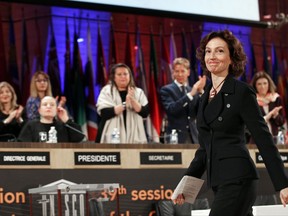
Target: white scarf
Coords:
[(135, 132)]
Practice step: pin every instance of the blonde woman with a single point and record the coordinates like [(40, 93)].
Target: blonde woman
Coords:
[(11, 114)]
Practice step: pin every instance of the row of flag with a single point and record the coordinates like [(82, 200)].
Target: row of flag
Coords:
[(79, 82)]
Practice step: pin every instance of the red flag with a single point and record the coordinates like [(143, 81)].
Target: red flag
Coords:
[(102, 77), (25, 67), (166, 71), (4, 76), (128, 52), (156, 118), (38, 57), (12, 63), (285, 78), (53, 66), (91, 111)]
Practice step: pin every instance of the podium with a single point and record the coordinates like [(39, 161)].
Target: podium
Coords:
[(65, 198)]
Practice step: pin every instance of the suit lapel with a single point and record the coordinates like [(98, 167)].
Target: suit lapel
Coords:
[(215, 106)]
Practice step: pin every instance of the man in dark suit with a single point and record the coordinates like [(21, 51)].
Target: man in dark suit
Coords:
[(180, 102)]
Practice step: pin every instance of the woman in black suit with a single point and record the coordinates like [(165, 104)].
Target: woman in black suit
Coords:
[(225, 108)]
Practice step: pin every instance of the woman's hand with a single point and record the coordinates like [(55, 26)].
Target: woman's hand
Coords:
[(131, 102), (273, 113), (19, 112), (119, 109), (284, 196), (179, 200), (61, 101), (62, 114)]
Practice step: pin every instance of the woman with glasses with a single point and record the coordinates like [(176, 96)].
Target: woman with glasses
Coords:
[(123, 106), (40, 87)]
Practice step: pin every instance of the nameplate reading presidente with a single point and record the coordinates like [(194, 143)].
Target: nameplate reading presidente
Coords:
[(97, 158), (160, 158), (283, 155), (24, 158)]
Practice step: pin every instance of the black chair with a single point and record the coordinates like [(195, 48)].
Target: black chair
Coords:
[(167, 207)]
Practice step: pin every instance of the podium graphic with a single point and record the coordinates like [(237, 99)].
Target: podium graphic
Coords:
[(65, 198)]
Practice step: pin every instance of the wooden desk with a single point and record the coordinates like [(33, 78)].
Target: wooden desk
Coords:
[(62, 155)]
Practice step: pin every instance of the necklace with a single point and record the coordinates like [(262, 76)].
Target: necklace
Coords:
[(214, 90)]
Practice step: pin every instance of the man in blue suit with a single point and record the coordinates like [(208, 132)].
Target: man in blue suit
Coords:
[(180, 102)]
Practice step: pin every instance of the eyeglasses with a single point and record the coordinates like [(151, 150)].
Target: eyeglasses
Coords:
[(41, 80)]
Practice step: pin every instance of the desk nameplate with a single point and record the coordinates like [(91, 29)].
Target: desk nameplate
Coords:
[(24, 158), (97, 158)]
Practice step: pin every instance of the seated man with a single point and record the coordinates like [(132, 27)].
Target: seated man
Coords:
[(38, 130)]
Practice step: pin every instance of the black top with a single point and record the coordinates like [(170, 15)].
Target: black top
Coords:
[(34, 131), (9, 132)]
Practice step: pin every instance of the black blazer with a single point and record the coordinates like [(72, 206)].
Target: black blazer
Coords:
[(222, 150), (181, 111)]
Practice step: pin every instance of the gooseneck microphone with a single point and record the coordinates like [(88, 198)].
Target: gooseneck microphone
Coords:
[(76, 130)]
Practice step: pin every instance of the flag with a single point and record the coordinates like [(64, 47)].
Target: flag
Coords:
[(38, 57), (185, 50), (91, 111), (68, 77), (173, 50), (285, 78), (140, 73), (277, 75), (12, 63), (266, 65), (79, 93), (102, 77), (253, 65), (275, 66), (128, 52), (155, 115), (25, 67), (4, 75), (53, 66), (166, 71), (193, 63), (113, 58)]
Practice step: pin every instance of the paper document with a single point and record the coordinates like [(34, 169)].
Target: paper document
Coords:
[(188, 186)]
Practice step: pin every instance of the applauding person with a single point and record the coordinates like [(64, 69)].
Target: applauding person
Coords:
[(12, 115), (37, 130)]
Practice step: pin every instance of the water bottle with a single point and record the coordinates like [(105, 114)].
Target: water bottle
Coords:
[(115, 136), (280, 138), (174, 137), (52, 134)]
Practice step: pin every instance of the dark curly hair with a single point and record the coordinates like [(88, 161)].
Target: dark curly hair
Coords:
[(237, 54)]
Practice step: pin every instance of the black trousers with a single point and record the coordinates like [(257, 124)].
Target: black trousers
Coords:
[(234, 198)]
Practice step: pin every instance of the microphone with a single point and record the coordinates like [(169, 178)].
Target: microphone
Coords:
[(76, 130)]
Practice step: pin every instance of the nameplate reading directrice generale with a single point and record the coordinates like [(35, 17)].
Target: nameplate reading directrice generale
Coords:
[(25, 158)]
